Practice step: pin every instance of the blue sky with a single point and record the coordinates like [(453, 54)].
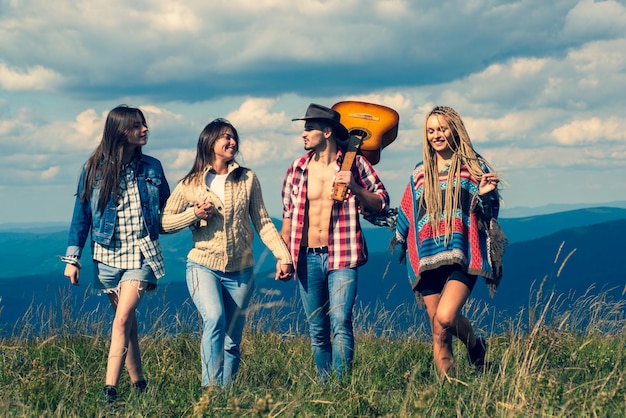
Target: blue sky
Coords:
[(541, 86)]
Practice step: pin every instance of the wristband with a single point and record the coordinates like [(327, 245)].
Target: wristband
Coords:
[(70, 260)]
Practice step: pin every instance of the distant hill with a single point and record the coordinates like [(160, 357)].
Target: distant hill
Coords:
[(536, 226), (31, 274), (524, 228), (597, 259), (31, 252), (524, 211)]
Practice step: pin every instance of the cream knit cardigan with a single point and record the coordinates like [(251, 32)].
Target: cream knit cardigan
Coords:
[(224, 242)]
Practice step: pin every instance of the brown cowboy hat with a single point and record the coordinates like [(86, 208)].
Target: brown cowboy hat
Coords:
[(325, 114)]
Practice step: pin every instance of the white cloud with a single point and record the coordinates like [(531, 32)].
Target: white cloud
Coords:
[(539, 84), (88, 124), (593, 130), (7, 126), (256, 151), (50, 172), (592, 18), (168, 128), (513, 126), (204, 46), (255, 113), (180, 159), (174, 17), (35, 78)]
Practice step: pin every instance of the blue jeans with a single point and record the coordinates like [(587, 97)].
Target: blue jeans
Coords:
[(222, 300), (328, 299)]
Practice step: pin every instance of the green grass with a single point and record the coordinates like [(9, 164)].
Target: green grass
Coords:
[(559, 358)]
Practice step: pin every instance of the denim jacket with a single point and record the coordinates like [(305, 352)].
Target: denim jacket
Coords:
[(153, 193)]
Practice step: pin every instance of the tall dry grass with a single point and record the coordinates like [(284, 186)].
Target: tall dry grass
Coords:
[(561, 356)]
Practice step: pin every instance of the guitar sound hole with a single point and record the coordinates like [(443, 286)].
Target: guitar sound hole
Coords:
[(361, 133)]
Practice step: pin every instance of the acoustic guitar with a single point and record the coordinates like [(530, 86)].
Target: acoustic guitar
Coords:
[(371, 127), (376, 125)]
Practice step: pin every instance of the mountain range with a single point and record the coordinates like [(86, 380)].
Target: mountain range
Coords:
[(571, 252)]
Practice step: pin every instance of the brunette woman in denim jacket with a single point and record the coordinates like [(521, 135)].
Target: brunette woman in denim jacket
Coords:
[(120, 195)]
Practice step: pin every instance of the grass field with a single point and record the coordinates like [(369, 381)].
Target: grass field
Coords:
[(558, 358)]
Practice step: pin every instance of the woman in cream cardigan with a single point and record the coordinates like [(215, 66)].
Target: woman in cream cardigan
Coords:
[(220, 201)]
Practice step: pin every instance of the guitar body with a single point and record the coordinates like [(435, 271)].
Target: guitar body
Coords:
[(377, 126), (371, 127)]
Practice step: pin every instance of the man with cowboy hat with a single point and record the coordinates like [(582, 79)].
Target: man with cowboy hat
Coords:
[(325, 237)]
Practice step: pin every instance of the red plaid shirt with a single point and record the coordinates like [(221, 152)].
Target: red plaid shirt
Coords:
[(346, 247)]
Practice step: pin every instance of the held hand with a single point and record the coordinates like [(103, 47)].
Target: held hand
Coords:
[(203, 209), (488, 183), (72, 272), (284, 272)]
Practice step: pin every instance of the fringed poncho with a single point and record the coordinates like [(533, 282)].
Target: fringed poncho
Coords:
[(476, 243)]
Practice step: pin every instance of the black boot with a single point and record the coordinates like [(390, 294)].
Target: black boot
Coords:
[(477, 353), (140, 386), (110, 393)]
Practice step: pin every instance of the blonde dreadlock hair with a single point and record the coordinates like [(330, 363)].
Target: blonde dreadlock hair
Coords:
[(463, 154)]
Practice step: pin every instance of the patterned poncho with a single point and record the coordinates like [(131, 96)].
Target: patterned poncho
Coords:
[(476, 242)]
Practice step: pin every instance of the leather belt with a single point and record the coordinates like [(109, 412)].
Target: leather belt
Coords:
[(317, 250)]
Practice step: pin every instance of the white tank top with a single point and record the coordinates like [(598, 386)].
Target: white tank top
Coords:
[(216, 183)]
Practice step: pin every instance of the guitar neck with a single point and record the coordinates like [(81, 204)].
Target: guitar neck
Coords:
[(340, 190)]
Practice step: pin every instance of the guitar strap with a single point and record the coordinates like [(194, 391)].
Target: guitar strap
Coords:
[(340, 189), (350, 152)]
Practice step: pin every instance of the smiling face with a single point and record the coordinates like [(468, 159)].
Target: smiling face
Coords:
[(439, 136), (225, 146)]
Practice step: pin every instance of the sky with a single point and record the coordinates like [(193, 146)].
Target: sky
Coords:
[(540, 85)]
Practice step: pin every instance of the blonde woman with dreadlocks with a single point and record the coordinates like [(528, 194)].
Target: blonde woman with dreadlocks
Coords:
[(447, 226)]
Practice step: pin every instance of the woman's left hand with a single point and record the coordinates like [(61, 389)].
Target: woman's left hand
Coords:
[(488, 183)]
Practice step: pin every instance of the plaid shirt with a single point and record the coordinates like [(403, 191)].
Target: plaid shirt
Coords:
[(131, 244), (346, 247)]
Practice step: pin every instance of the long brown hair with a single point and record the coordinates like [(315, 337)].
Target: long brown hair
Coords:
[(205, 155), (105, 163), (463, 154)]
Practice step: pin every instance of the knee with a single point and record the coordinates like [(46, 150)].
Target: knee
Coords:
[(318, 322), (210, 313), (213, 323), (445, 319), (341, 324), (122, 325), (320, 333)]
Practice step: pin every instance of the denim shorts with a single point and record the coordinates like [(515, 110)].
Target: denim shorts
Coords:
[(433, 281), (107, 278)]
